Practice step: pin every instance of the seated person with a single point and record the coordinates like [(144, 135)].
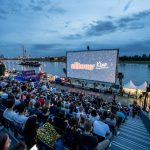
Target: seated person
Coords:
[(81, 122), (88, 141), (36, 110), (41, 100), (81, 112), (59, 121), (72, 132), (111, 120), (44, 116), (20, 119), (19, 146), (4, 141), (17, 100), (30, 131), (53, 109), (9, 113), (93, 116), (102, 129)]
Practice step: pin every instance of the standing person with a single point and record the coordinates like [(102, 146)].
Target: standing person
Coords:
[(134, 109), (4, 142)]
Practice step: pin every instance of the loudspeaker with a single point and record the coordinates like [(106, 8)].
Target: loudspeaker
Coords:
[(2, 69), (148, 89)]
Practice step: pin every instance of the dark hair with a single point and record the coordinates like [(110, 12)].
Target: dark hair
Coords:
[(30, 131), (82, 119), (73, 122), (45, 110), (112, 116), (19, 146), (93, 113), (21, 108), (37, 105), (10, 103), (87, 126), (102, 117), (3, 139)]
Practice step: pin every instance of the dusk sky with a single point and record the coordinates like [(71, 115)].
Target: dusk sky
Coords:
[(52, 27)]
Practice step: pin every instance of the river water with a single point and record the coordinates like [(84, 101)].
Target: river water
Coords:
[(138, 73)]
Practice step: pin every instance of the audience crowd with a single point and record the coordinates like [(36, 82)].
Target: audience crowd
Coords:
[(52, 117)]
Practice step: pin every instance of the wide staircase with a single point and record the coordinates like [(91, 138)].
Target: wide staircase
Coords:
[(133, 136)]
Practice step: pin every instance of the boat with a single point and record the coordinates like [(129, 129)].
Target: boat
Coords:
[(30, 63), (24, 62)]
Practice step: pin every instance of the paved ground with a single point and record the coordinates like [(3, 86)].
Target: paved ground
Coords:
[(108, 97)]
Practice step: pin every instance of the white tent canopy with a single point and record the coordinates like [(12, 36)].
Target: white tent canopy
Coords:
[(142, 87), (130, 85)]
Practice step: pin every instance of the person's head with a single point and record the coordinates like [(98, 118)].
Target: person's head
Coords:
[(81, 109), (4, 142), (73, 122), (30, 126), (37, 105), (88, 126), (61, 114), (21, 108), (10, 102), (112, 116), (93, 113), (45, 110), (20, 146), (82, 119), (17, 96), (32, 96), (102, 118)]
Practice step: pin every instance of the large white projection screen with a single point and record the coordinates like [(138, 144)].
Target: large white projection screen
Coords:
[(93, 65)]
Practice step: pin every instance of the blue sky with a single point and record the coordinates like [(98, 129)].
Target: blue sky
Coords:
[(52, 27)]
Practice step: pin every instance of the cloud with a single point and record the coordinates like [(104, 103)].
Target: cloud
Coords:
[(3, 14), (135, 21), (101, 27), (45, 5), (126, 7), (37, 8), (73, 37), (47, 46), (56, 10)]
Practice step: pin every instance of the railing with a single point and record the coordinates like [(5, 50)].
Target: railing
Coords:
[(146, 120)]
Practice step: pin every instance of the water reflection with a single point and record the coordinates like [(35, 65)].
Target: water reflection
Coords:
[(138, 73)]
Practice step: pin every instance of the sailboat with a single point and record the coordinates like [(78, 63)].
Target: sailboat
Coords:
[(28, 63)]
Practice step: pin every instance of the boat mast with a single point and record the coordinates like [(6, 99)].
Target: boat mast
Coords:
[(24, 53)]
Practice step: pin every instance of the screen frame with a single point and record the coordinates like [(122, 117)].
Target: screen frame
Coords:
[(116, 71)]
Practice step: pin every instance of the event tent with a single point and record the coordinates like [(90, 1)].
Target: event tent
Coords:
[(142, 87), (130, 87)]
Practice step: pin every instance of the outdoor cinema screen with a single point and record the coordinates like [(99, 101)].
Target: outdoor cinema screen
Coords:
[(93, 65)]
